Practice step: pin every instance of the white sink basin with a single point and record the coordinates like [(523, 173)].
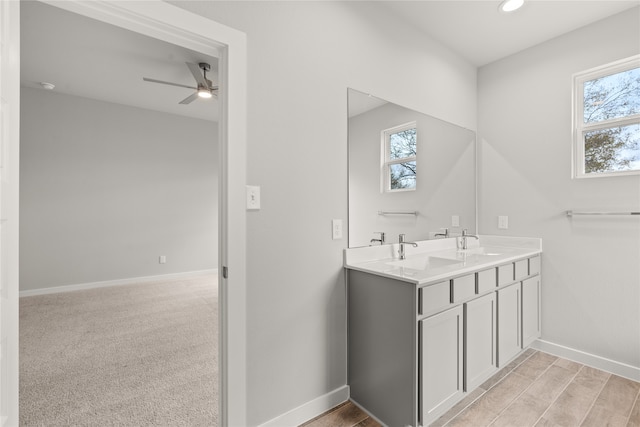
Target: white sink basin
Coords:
[(473, 255), (481, 251), (477, 253), (423, 263)]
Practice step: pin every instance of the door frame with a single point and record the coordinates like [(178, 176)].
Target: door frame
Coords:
[(9, 204), (169, 23)]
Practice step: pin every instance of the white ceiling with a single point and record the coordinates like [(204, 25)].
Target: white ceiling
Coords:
[(88, 58), (84, 57), (480, 33)]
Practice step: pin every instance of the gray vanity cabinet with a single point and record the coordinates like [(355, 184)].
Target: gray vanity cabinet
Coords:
[(415, 350), (441, 348)]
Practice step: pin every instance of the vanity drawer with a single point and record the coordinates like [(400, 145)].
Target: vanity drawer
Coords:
[(435, 297), (534, 265), (505, 274), (522, 269), (463, 287), (487, 280)]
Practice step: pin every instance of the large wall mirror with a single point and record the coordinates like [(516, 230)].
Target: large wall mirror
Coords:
[(408, 173)]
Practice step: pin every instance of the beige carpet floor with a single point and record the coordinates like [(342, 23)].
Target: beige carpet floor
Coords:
[(132, 355)]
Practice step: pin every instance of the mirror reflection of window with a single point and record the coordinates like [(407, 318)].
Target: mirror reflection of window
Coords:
[(399, 162), (440, 184)]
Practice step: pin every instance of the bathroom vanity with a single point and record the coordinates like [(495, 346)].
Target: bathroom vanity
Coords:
[(426, 330)]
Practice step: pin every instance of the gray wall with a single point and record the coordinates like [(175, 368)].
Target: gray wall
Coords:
[(302, 57), (591, 275), (105, 189)]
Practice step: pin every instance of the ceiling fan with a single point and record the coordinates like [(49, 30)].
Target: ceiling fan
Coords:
[(204, 88)]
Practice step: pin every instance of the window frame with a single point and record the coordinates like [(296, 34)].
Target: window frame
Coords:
[(387, 162), (579, 128)]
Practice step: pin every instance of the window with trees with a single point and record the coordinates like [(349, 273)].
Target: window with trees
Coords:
[(607, 120), (399, 157)]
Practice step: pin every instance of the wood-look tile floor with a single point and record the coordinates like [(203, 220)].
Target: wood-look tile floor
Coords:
[(536, 389)]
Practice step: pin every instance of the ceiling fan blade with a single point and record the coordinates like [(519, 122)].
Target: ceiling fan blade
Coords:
[(190, 98), (146, 79), (197, 74)]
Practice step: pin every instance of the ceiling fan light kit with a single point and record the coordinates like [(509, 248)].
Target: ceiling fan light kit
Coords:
[(204, 92), (204, 89)]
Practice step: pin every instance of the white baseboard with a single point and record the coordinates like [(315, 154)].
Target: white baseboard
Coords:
[(117, 282), (602, 363), (311, 409)]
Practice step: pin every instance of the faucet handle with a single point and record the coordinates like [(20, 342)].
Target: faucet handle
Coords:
[(401, 237), (445, 234), (382, 236)]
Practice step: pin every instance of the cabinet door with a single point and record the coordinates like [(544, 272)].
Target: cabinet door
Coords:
[(480, 340), (509, 342), (440, 363), (530, 310)]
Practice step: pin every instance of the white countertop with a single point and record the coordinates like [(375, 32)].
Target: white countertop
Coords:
[(435, 260)]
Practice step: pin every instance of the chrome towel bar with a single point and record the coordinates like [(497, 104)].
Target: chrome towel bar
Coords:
[(572, 213), (415, 213)]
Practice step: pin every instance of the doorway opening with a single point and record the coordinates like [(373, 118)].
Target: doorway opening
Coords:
[(169, 23)]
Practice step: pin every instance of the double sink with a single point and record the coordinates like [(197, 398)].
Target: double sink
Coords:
[(432, 260)]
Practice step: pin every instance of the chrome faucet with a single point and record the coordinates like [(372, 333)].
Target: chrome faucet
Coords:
[(381, 239), (402, 243), (445, 234), (463, 238)]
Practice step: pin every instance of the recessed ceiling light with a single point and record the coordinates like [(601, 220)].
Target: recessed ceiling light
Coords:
[(48, 86), (510, 5)]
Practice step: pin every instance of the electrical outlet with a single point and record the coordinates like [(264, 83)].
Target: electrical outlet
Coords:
[(455, 221), (336, 229), (503, 222), (162, 259)]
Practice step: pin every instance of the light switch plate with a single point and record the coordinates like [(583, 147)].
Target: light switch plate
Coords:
[(503, 222), (455, 221), (253, 197)]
